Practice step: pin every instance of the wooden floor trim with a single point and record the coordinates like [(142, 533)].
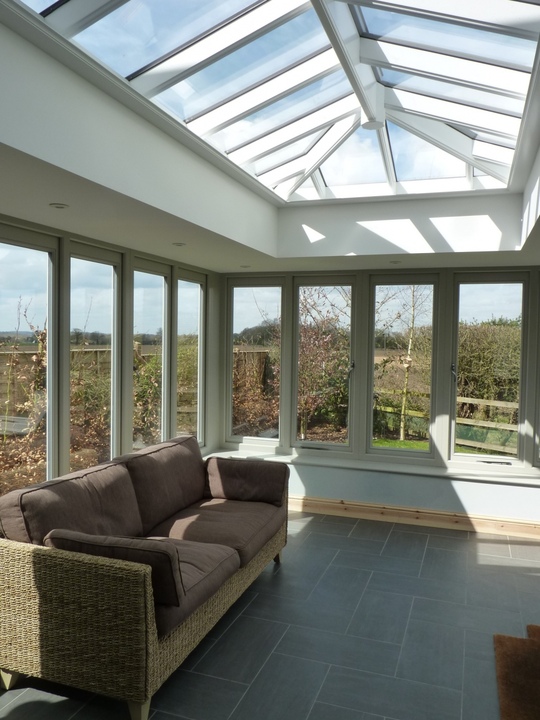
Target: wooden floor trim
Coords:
[(413, 516)]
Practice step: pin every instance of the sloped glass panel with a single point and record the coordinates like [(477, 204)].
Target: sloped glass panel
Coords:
[(456, 39), (141, 31), (450, 91), (358, 160), (285, 154), (317, 94), (38, 5), (416, 159), (283, 47), (485, 136)]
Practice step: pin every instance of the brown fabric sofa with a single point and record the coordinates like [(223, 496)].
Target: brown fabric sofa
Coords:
[(110, 576)]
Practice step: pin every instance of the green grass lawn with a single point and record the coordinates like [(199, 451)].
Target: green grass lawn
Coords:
[(406, 444)]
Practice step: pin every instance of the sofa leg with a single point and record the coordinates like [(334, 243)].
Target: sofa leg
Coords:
[(8, 678), (139, 711), (277, 559)]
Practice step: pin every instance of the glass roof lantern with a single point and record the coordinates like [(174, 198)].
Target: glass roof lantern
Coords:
[(328, 98)]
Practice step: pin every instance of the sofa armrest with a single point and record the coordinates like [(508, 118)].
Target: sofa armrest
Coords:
[(76, 619), (245, 479)]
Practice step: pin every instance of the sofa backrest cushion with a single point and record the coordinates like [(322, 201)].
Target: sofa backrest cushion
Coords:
[(160, 554), (247, 479), (167, 477), (99, 500)]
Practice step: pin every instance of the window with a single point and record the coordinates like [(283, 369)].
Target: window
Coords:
[(488, 369), (24, 305), (91, 362), (402, 360), (323, 363), (256, 361), (188, 357), (148, 323)]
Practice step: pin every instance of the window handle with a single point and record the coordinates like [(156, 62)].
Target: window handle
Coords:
[(453, 371), (351, 368)]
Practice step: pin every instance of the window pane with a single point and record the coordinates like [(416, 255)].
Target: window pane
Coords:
[(23, 366), (141, 31), (324, 359), (148, 316), (189, 334), (92, 304), (402, 366), (416, 159), (256, 361), (344, 168), (488, 369)]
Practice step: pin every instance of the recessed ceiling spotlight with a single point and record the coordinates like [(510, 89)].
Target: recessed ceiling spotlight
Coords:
[(58, 206), (179, 244), (395, 262), (245, 266)]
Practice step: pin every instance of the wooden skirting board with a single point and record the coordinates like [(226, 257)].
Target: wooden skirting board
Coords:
[(412, 516)]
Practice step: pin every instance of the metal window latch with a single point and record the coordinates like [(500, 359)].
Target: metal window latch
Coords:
[(453, 371), (351, 367)]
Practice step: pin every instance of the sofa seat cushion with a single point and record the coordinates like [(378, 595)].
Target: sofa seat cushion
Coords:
[(99, 501), (244, 526), (167, 477), (204, 567)]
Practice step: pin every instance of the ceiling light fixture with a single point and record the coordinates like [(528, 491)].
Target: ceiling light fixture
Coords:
[(179, 244), (58, 205)]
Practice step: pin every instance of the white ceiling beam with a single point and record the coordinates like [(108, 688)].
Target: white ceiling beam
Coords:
[(505, 126), (522, 17), (449, 140), (343, 34), (321, 118), (75, 16), (217, 44), (309, 162), (483, 76), (266, 92)]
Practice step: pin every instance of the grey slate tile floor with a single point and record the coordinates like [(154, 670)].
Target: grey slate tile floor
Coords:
[(363, 620)]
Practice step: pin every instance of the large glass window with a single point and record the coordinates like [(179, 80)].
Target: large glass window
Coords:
[(148, 322), (324, 363), (256, 361), (488, 369), (188, 357), (91, 336), (402, 359), (23, 365)]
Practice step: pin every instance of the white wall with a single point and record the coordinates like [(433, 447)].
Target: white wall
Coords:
[(531, 200), (452, 225), (443, 494), (51, 113)]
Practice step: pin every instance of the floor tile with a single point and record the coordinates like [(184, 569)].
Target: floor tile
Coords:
[(432, 653), (380, 563), (372, 530), (442, 564), (198, 697), (285, 689), (418, 587), (337, 649), (406, 545), (37, 704), (391, 697), (348, 543), (381, 616), (321, 711), (467, 617), (242, 650)]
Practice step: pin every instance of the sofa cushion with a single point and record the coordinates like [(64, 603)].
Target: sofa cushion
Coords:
[(205, 567), (99, 500), (244, 526), (252, 480), (159, 553), (167, 477)]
